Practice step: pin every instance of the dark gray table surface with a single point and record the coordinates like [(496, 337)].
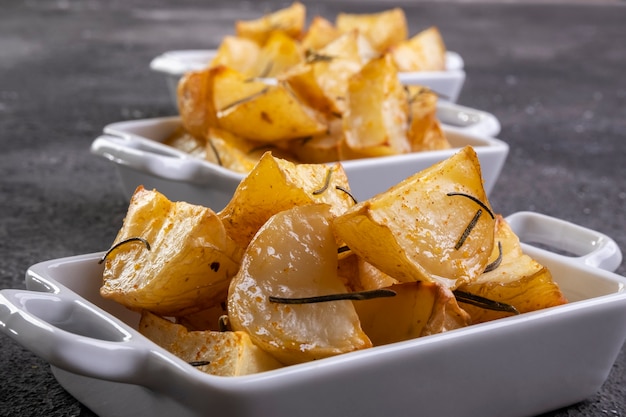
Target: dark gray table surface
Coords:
[(552, 73)]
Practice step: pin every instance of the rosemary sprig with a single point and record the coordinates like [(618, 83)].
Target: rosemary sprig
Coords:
[(311, 56), (243, 100), (476, 300), (199, 363), (340, 188), (326, 183), (343, 249), (353, 296), (474, 199), (123, 242), (468, 230), (497, 262)]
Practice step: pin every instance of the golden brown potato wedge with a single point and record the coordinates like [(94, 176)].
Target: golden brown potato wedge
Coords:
[(425, 132), (279, 53), (239, 154), (435, 226), (271, 115), (195, 103), (294, 254), (290, 20), (519, 280), (212, 318), (383, 29), (319, 34), (321, 148), (418, 309), (183, 263), (375, 121), (275, 185), (184, 141), (323, 79), (302, 81), (372, 278), (216, 353), (425, 51), (230, 87), (238, 53)]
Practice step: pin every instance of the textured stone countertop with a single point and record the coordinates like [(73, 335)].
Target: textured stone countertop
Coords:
[(553, 73)]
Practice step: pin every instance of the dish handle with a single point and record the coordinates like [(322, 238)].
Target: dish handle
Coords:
[(72, 335), (563, 238), (152, 158), (467, 119)]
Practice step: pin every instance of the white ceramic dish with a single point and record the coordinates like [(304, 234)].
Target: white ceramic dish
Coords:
[(136, 150), (517, 366), (448, 83)]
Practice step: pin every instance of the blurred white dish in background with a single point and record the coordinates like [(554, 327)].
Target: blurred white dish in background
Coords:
[(135, 148), (447, 84)]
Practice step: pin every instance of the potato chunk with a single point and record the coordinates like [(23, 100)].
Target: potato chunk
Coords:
[(188, 266), (279, 53), (425, 51), (236, 153), (436, 225), (270, 115), (275, 185), (195, 102), (290, 20), (238, 53), (319, 34), (424, 132), (294, 254), (519, 280), (382, 29), (418, 309), (222, 353), (375, 121)]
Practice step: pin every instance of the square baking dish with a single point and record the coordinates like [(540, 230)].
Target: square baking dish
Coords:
[(447, 84), (135, 149), (517, 366)]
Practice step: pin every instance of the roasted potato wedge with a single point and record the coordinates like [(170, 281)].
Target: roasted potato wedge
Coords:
[(418, 309), (294, 254), (383, 29), (290, 20), (216, 353), (275, 185), (518, 280), (184, 141), (183, 262), (376, 117), (213, 318), (424, 132), (195, 102), (435, 226), (320, 33), (271, 115), (279, 53), (240, 54), (323, 79), (320, 148), (425, 51), (239, 154), (360, 275)]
